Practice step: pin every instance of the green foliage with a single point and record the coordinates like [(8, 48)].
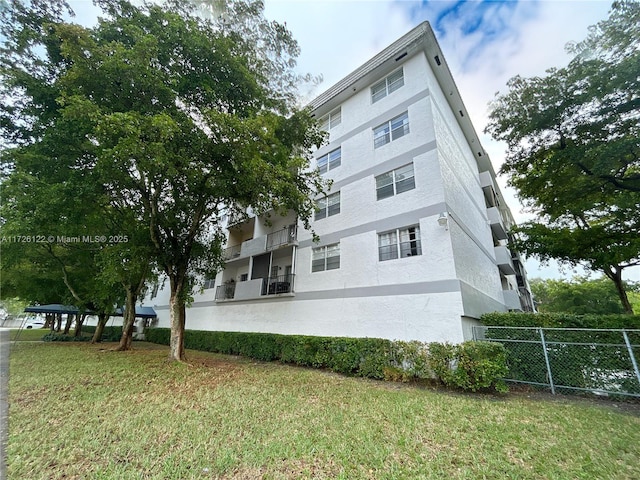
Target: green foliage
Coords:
[(410, 361), (560, 320), (110, 334), (469, 366), (583, 359), (13, 305), (574, 361), (159, 122), (579, 295), (162, 336), (573, 153), (481, 365)]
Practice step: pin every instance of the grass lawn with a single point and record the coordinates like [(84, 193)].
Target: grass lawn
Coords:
[(28, 335), (80, 413)]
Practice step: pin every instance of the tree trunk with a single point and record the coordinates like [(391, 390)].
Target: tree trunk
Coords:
[(67, 326), (58, 322), (102, 321), (50, 321), (615, 274), (79, 321), (128, 321), (177, 312)]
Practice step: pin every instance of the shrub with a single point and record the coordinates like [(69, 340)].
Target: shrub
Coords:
[(469, 366), (481, 365), (442, 362), (109, 334), (411, 359), (112, 334), (59, 337), (560, 320), (159, 335)]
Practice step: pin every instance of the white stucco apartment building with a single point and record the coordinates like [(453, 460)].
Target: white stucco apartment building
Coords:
[(413, 233)]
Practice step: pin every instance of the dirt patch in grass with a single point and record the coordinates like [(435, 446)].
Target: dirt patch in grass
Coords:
[(299, 468), (629, 405)]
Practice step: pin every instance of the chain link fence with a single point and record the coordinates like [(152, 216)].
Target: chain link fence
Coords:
[(566, 360)]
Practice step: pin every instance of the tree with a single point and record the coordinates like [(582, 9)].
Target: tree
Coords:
[(181, 123), (573, 151), (579, 295), (52, 193)]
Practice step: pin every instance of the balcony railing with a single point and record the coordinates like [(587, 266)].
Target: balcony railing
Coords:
[(279, 284), (282, 237), (232, 252), (226, 291)]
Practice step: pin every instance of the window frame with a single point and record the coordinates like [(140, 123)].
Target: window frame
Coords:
[(387, 85), (394, 182), (328, 262), (331, 119), (396, 248), (324, 206), (326, 163), (388, 132)]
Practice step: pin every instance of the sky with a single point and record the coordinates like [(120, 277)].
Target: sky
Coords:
[(485, 43)]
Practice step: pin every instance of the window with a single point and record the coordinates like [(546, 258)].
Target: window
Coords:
[(244, 277), (325, 258), (327, 206), (331, 120), (395, 182), (386, 86), (330, 161), (392, 130), (209, 283), (400, 243)]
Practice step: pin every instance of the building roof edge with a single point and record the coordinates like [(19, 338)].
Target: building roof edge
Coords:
[(413, 36)]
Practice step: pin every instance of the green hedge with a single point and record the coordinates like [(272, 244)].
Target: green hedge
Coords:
[(110, 334), (469, 366), (560, 320), (60, 337)]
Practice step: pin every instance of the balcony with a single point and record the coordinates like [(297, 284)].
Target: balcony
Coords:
[(226, 291), (496, 223), (266, 243), (277, 285), (489, 189), (512, 300), (287, 236), (485, 180), (231, 252), (503, 260), (256, 288)]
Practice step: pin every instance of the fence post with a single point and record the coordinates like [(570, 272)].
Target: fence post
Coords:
[(546, 360), (633, 358)]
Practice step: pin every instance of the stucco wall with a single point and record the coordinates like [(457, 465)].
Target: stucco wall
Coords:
[(420, 297), (403, 317)]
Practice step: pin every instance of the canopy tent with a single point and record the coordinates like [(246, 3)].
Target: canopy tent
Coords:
[(55, 308), (141, 312)]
